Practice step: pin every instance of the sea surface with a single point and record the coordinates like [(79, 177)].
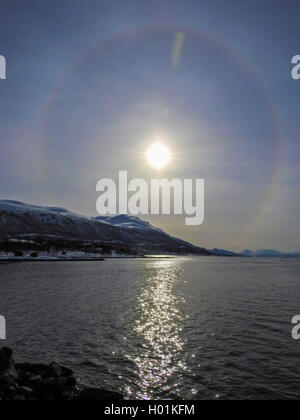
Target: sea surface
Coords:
[(192, 328)]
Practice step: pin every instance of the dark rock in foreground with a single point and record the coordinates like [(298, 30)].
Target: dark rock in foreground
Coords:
[(94, 394), (21, 382)]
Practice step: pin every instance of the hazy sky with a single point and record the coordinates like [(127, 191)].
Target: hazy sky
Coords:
[(92, 83)]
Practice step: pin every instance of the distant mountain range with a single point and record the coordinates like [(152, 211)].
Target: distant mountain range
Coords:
[(269, 253), (260, 253), (23, 222)]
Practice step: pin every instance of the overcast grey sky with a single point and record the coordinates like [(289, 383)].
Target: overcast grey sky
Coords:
[(91, 84)]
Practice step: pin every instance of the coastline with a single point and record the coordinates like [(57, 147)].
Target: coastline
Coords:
[(20, 260), (100, 259)]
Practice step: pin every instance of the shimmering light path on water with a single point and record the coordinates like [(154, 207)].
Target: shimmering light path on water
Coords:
[(194, 328)]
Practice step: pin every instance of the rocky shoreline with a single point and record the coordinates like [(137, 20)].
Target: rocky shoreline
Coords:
[(36, 382)]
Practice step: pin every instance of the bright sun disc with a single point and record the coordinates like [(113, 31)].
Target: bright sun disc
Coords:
[(158, 155)]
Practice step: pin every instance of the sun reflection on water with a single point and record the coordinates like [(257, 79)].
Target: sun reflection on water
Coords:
[(159, 324)]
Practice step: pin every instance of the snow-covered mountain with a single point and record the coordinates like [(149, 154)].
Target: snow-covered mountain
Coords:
[(24, 221)]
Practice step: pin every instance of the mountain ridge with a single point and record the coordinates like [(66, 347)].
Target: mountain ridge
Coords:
[(32, 223), (21, 221)]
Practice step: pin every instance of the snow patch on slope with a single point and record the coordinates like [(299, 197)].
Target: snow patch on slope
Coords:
[(127, 222)]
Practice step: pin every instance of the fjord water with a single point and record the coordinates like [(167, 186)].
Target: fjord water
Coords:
[(194, 328)]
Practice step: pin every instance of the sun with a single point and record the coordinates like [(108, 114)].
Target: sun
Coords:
[(158, 155)]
